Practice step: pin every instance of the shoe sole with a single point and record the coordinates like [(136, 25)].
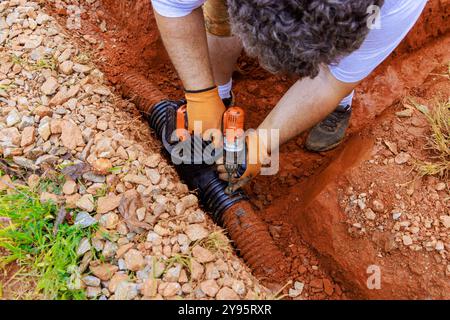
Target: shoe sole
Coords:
[(331, 147)]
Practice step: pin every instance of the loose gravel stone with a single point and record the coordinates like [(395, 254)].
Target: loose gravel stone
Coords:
[(209, 287), (108, 203), (134, 260), (86, 203), (84, 220), (196, 232)]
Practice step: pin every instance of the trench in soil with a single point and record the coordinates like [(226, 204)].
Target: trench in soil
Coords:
[(132, 44)]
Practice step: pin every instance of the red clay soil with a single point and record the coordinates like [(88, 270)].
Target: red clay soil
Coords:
[(300, 205)]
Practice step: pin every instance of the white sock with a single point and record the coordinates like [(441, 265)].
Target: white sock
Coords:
[(348, 100), (225, 90)]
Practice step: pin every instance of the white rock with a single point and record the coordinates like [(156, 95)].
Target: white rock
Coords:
[(402, 158), (407, 241), (13, 118), (196, 232), (49, 87), (66, 67), (209, 287), (109, 220), (83, 247), (44, 130), (445, 221), (86, 203), (134, 260), (84, 220), (370, 215), (439, 246)]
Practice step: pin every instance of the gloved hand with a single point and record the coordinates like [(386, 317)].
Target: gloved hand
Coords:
[(205, 106), (256, 156)]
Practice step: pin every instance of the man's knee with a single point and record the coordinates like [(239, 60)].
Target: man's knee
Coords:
[(217, 20)]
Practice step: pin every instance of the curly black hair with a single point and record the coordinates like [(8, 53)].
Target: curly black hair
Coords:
[(298, 36)]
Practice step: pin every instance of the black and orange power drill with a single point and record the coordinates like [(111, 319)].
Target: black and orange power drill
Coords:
[(233, 143), (234, 151)]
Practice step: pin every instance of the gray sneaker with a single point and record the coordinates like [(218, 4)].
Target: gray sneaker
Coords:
[(329, 133)]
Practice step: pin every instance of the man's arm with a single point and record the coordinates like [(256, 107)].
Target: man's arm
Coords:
[(305, 104)]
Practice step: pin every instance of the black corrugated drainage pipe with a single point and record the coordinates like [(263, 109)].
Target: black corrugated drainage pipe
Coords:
[(233, 212)]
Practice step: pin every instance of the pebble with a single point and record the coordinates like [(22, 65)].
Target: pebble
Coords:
[(83, 247), (134, 260), (171, 289), (66, 67), (153, 161), (44, 130), (137, 179), (25, 163), (84, 220), (202, 255), (71, 136), (149, 288), (402, 158), (297, 290), (108, 203), (91, 281), (209, 287), (49, 86), (439, 246), (197, 270), (126, 291), (226, 294), (370, 215), (104, 271), (153, 175), (13, 118), (48, 197), (92, 177), (316, 283), (396, 215), (69, 187), (115, 280), (173, 274), (93, 292), (86, 203), (445, 221), (377, 206), (102, 166), (109, 250), (196, 232), (189, 201), (28, 136), (407, 240), (109, 220)]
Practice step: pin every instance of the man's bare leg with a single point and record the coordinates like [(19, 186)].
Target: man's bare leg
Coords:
[(185, 41), (223, 53)]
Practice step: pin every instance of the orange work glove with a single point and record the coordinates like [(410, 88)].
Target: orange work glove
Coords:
[(256, 155), (205, 106)]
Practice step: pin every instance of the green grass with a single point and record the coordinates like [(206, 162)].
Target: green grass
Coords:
[(45, 63), (183, 260), (29, 242)]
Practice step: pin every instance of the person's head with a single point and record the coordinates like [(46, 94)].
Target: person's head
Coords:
[(298, 36)]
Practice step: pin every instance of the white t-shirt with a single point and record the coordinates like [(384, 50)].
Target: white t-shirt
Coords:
[(397, 17)]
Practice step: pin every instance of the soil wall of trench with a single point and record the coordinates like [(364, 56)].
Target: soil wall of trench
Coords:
[(319, 220)]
